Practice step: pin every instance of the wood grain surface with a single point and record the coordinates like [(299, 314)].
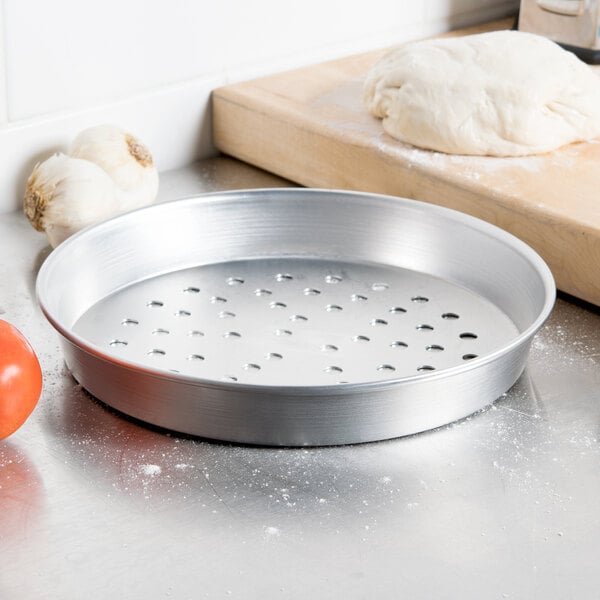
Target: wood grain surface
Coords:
[(310, 125)]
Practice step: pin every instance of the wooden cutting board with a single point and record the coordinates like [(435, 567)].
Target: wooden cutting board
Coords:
[(310, 125)]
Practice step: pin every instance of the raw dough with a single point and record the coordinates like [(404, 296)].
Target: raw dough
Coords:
[(504, 93)]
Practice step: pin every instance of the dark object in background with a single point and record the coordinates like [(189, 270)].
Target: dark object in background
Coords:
[(574, 24)]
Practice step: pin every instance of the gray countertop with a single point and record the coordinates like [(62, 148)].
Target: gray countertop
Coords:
[(503, 504)]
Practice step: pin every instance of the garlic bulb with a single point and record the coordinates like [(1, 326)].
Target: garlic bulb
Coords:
[(126, 160), (65, 194), (109, 172)]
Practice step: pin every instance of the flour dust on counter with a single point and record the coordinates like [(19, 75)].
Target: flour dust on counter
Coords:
[(508, 496)]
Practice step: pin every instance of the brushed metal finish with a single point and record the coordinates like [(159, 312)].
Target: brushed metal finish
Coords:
[(573, 22), (295, 322), (277, 316), (91, 502)]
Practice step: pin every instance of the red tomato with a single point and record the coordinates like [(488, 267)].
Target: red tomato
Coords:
[(20, 379)]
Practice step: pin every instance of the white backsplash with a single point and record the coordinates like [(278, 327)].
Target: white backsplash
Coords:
[(150, 65)]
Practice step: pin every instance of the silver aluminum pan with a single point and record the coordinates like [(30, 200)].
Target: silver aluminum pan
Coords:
[(296, 316)]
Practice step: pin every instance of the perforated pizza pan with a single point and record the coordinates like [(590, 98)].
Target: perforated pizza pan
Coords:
[(295, 316)]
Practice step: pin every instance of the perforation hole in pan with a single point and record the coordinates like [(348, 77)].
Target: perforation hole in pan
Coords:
[(281, 321)]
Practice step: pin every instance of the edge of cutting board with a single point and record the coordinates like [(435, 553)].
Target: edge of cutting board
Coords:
[(308, 125)]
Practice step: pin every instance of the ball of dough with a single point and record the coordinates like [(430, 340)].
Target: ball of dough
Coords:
[(504, 93)]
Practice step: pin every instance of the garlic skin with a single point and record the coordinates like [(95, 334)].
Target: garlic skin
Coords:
[(65, 194), (124, 158)]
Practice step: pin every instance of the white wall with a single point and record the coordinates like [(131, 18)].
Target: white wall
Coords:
[(150, 65)]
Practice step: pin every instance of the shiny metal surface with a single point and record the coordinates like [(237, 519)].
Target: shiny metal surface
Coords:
[(572, 22), (295, 316), (503, 504), (295, 322)]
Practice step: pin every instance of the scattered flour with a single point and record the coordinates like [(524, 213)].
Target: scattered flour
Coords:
[(150, 470), (271, 531)]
